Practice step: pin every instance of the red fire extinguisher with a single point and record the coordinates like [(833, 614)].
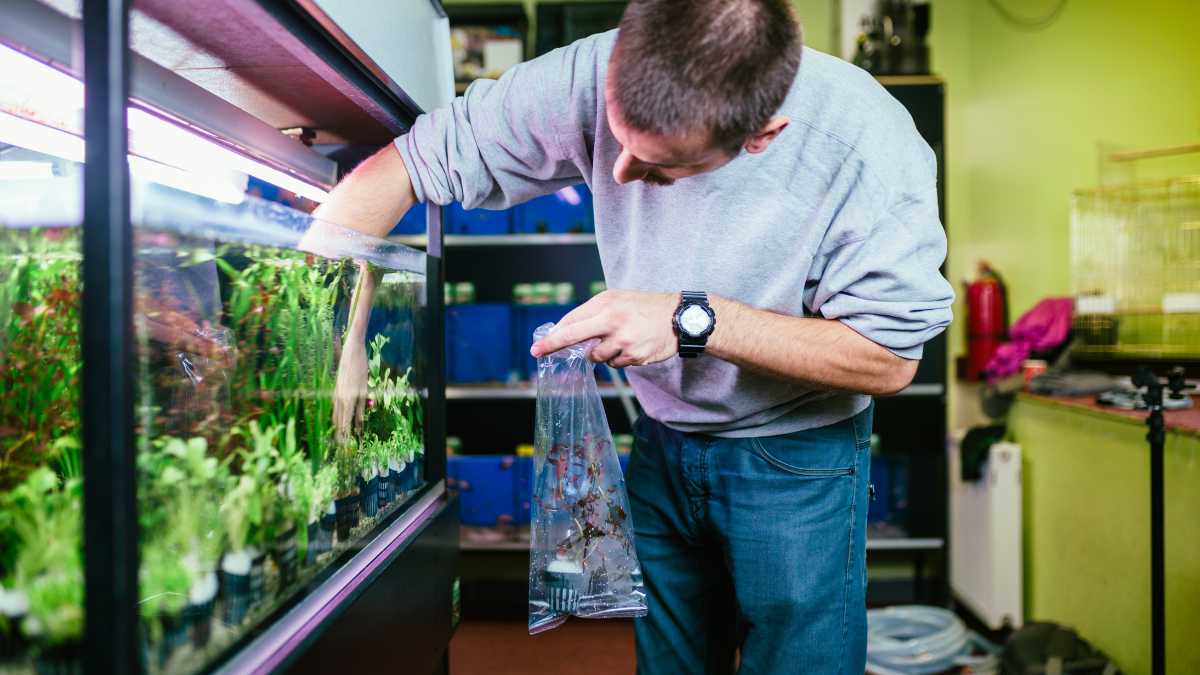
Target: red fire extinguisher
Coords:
[(987, 319)]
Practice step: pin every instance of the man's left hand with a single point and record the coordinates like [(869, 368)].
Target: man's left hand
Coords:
[(634, 328)]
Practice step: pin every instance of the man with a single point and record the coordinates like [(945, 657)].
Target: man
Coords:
[(797, 198)]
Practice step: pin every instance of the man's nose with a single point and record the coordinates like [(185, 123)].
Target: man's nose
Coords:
[(627, 169)]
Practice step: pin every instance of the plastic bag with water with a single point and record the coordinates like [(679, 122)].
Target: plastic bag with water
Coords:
[(582, 560)]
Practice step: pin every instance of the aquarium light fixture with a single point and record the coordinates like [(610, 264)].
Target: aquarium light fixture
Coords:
[(40, 138), (152, 136), (26, 170), (49, 141), (205, 186)]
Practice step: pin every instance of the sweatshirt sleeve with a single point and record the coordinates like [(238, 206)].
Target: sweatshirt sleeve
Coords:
[(502, 142), (887, 285)]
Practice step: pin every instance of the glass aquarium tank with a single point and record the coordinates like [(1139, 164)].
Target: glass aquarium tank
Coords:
[(280, 389)]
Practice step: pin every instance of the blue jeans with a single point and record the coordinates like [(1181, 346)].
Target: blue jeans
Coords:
[(757, 544)]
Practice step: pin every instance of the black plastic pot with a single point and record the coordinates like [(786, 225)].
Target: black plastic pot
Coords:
[(174, 634), (325, 536), (370, 497), (235, 590), (258, 577), (60, 659), (199, 622), (383, 491), (397, 480), (311, 551), (12, 643), (347, 515), (284, 553)]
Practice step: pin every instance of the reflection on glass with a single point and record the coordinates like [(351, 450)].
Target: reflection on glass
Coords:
[(41, 479), (247, 491)]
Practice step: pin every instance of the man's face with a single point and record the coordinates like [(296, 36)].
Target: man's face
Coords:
[(659, 160)]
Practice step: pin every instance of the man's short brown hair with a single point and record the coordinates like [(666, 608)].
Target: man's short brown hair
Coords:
[(717, 66)]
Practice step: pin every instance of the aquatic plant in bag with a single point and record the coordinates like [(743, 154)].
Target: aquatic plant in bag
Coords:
[(582, 560)]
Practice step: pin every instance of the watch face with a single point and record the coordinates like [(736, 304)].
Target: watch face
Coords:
[(694, 320)]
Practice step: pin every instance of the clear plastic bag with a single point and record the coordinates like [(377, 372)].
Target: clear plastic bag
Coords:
[(582, 560)]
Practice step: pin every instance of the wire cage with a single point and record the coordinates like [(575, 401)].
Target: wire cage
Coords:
[(1135, 269)]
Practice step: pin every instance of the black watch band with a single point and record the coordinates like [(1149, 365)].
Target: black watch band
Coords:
[(692, 344)]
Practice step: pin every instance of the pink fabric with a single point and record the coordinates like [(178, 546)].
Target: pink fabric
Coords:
[(1043, 327)]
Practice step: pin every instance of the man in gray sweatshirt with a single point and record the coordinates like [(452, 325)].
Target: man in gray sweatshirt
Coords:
[(767, 220)]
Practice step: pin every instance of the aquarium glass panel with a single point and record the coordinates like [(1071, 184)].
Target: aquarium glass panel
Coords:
[(41, 478), (280, 391)]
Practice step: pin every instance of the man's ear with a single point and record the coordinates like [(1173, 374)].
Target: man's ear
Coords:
[(760, 141)]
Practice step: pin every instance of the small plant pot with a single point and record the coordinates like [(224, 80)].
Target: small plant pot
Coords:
[(397, 480), (370, 497), (563, 581), (383, 490), (199, 623), (347, 515), (258, 577), (60, 659), (237, 597), (325, 534), (409, 480), (12, 643), (284, 554), (174, 635), (313, 549)]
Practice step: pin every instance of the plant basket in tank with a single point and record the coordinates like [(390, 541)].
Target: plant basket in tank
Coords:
[(258, 576), (327, 526), (64, 658), (369, 488), (347, 514), (14, 605), (237, 598), (283, 552), (383, 493), (199, 610)]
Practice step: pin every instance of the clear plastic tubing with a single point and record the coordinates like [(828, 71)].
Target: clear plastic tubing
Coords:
[(919, 640)]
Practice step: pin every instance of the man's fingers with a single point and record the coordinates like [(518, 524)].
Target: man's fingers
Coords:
[(176, 338), (569, 335)]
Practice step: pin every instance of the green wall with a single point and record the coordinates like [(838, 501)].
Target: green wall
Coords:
[(1087, 531), (1028, 111)]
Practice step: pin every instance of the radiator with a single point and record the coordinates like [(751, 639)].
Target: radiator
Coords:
[(985, 537)]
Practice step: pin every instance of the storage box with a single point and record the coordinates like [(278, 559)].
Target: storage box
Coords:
[(479, 343), (413, 221), (568, 210), (888, 514), (486, 486), (528, 318), (477, 221)]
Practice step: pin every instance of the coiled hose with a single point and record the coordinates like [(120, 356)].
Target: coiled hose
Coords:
[(918, 640)]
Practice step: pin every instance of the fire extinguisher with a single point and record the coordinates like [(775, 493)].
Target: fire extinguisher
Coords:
[(987, 319)]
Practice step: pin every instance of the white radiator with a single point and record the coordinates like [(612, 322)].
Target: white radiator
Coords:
[(985, 537)]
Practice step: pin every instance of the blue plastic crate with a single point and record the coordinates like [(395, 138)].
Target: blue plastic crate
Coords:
[(568, 210), (479, 343), (477, 221), (881, 475), (524, 476), (527, 319), (486, 486), (413, 221), (624, 460)]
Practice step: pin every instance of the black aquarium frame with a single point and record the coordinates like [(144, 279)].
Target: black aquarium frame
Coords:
[(417, 546)]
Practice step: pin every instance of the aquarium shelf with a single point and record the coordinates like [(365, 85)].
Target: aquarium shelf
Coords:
[(905, 543), (502, 391), (922, 390), (419, 240), (873, 544)]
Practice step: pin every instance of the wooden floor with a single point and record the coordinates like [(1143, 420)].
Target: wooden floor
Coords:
[(578, 647)]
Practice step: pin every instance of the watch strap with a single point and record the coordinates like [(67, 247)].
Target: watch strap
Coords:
[(690, 347)]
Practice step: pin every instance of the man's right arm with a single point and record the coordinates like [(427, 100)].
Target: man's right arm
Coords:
[(374, 197)]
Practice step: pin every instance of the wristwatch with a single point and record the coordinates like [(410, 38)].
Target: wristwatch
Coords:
[(694, 322)]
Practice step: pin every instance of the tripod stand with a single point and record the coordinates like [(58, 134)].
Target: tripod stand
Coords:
[(1157, 437)]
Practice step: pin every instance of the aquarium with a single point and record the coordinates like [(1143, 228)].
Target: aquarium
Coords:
[(280, 388)]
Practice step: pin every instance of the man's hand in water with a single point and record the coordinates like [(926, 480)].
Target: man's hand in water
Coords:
[(176, 330), (350, 390)]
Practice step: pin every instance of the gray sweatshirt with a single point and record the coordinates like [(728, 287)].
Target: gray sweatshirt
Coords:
[(836, 219)]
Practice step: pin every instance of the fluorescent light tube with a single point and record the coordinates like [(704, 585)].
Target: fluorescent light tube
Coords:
[(151, 136), (39, 138), (39, 80), (213, 188), (26, 170)]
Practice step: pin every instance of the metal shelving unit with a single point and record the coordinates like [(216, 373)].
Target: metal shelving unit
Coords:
[(418, 240)]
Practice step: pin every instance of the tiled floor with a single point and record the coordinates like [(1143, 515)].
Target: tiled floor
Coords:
[(578, 647)]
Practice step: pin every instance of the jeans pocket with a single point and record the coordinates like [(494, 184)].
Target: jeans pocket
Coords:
[(816, 464)]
